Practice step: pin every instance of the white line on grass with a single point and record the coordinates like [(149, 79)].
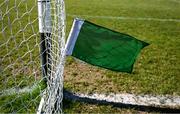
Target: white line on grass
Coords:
[(16, 90), (177, 1), (12, 91), (127, 18), (131, 99)]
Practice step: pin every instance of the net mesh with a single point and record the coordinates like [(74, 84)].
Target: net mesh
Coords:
[(22, 85)]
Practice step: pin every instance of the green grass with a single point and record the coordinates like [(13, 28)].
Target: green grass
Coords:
[(19, 44), (25, 102), (80, 107), (157, 70)]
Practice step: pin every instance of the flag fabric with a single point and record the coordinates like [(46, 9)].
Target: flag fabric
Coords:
[(103, 47)]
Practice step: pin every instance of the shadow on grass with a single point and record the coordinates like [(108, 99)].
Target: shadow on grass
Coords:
[(70, 96)]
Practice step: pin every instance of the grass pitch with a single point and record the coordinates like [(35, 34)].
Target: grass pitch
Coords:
[(156, 72)]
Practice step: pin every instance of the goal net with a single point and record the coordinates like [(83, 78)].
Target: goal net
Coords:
[(32, 41)]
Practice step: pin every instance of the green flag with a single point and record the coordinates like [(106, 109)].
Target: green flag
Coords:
[(103, 47)]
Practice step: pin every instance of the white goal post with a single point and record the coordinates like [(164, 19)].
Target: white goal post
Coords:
[(32, 59)]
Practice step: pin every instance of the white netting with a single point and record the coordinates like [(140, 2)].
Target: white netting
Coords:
[(21, 79)]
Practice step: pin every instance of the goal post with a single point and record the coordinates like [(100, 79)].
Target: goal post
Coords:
[(45, 29), (32, 44), (52, 38)]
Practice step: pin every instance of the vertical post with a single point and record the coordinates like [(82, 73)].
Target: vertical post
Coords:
[(43, 56), (52, 98), (44, 16), (45, 28)]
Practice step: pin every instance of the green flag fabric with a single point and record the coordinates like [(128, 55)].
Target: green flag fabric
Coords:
[(103, 47)]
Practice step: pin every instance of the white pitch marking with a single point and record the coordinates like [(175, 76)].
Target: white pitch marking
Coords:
[(177, 1), (144, 100), (127, 18), (132, 99), (16, 90)]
